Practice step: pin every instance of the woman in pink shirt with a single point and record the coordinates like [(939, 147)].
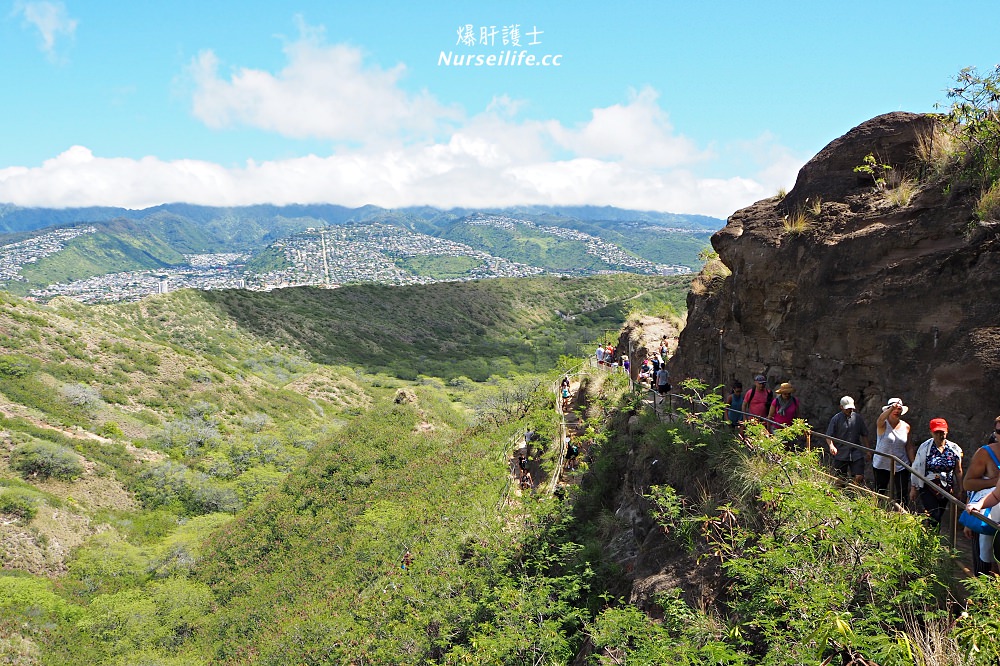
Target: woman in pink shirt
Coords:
[(784, 407)]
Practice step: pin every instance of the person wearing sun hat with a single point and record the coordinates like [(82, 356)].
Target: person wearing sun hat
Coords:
[(893, 437), (784, 407), (940, 461)]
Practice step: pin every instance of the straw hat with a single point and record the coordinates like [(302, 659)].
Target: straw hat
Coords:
[(785, 389)]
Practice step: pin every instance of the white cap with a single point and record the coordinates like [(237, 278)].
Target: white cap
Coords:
[(847, 402)]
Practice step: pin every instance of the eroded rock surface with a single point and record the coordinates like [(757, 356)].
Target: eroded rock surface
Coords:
[(874, 300)]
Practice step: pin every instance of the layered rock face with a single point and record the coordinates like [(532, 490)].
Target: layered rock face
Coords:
[(874, 300)]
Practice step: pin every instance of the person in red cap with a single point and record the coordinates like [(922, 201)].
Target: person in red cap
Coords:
[(940, 461)]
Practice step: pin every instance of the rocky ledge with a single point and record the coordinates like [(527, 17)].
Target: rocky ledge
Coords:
[(865, 297)]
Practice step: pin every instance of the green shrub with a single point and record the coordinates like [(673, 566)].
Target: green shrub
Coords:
[(112, 430), (45, 459), (18, 503), (15, 365)]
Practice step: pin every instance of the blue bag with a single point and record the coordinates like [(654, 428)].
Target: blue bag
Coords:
[(976, 524)]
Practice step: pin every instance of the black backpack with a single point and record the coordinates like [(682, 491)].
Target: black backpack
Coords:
[(767, 403)]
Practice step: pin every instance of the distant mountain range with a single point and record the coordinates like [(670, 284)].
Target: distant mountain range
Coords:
[(101, 254)]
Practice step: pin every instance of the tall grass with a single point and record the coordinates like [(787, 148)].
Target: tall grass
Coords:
[(797, 222), (938, 150), (988, 207), (902, 193)]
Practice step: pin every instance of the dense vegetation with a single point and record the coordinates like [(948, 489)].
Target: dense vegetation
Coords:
[(459, 329), (212, 478)]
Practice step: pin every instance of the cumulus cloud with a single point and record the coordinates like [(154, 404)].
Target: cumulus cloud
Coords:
[(399, 149), (50, 19), (636, 133), (463, 172), (324, 91)]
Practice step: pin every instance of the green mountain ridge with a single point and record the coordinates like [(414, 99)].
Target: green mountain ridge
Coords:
[(630, 241)]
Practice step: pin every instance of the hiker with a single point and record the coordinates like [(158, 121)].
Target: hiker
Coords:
[(609, 356), (564, 383), (979, 481), (757, 401), (893, 437), (529, 436), (626, 366), (645, 371), (572, 452), (526, 481), (940, 460), (849, 426), (784, 406), (522, 462), (600, 355), (406, 561), (734, 405), (664, 349), (662, 383), (994, 436), (565, 397)]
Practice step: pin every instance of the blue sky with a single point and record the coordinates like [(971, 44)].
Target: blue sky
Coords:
[(695, 107)]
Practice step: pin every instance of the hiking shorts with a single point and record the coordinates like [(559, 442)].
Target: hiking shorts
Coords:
[(852, 467)]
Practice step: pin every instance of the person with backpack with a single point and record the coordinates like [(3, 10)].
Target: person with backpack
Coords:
[(784, 406), (757, 401), (664, 349)]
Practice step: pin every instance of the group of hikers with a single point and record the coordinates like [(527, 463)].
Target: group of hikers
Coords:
[(605, 356), (937, 462), (653, 370)]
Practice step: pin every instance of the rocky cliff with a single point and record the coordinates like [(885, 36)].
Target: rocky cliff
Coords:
[(841, 291)]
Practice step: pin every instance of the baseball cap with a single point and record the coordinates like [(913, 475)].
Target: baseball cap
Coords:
[(939, 424), (847, 402)]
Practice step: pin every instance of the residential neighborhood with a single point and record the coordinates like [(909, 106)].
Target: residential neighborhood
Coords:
[(327, 256)]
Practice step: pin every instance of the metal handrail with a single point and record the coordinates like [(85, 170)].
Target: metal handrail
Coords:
[(557, 472), (951, 498)]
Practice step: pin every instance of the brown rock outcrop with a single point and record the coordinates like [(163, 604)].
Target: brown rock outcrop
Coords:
[(874, 300)]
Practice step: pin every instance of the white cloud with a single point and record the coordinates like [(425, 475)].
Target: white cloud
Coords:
[(463, 172), (50, 19), (324, 92), (637, 133), (626, 155)]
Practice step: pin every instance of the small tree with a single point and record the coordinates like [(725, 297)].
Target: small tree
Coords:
[(975, 111), (876, 168)]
